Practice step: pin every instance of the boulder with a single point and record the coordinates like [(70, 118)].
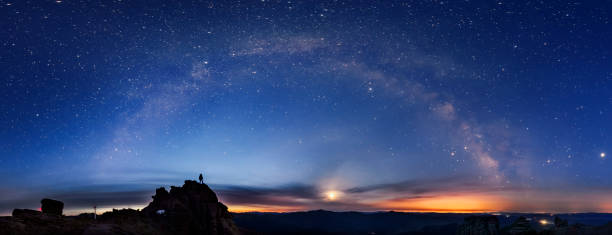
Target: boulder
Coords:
[(25, 213), (51, 206)]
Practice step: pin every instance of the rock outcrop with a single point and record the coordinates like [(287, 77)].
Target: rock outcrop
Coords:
[(190, 209), (479, 225), (51, 206)]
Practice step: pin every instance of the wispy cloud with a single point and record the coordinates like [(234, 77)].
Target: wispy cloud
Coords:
[(290, 195), (419, 188), (296, 197), (86, 199)]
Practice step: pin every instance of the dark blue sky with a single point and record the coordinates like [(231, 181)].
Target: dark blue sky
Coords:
[(415, 105)]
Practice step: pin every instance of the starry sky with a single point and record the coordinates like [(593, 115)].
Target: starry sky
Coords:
[(299, 105)]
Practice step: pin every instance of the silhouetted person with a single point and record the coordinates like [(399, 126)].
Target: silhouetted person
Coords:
[(201, 178)]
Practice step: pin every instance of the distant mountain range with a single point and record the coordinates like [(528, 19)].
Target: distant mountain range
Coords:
[(328, 222)]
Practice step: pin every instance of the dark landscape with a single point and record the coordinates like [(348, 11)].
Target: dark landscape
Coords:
[(327, 222), (194, 209)]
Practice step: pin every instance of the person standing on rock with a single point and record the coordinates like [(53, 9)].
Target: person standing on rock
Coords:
[(201, 179)]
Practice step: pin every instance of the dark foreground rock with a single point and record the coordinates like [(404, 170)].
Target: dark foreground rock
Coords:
[(190, 209), (50, 206), (25, 221)]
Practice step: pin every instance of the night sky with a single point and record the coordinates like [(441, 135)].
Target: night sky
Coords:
[(288, 105)]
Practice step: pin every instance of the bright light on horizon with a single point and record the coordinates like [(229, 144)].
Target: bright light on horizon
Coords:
[(331, 195)]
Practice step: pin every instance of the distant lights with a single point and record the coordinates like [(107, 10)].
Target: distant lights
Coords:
[(544, 222), (602, 155)]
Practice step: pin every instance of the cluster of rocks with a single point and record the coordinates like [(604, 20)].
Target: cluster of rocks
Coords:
[(191, 209)]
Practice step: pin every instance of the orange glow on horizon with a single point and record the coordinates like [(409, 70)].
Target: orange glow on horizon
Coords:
[(447, 204), (262, 208), (538, 202)]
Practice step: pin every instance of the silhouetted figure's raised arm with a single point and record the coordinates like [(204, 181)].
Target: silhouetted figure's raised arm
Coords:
[(201, 178)]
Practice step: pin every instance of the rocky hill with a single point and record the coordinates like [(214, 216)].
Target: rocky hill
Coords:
[(190, 209)]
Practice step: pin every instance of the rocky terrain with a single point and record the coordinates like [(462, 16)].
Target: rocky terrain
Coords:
[(195, 209), (190, 209)]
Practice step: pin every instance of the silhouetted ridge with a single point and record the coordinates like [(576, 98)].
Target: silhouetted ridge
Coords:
[(190, 209)]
